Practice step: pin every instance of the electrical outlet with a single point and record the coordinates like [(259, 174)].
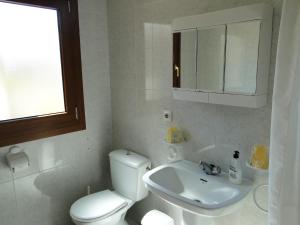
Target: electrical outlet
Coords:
[(167, 116)]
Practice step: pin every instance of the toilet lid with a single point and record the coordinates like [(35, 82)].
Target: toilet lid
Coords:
[(97, 206)]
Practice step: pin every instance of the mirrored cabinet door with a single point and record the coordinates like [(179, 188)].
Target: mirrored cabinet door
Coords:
[(241, 57), (210, 58), (188, 49)]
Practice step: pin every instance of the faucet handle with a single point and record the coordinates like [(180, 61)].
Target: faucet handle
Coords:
[(210, 169), (216, 170)]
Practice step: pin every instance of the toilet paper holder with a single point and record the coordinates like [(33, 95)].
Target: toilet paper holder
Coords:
[(17, 159)]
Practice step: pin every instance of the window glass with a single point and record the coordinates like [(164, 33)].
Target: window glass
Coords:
[(30, 62)]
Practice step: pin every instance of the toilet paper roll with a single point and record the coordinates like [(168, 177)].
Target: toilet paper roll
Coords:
[(17, 161)]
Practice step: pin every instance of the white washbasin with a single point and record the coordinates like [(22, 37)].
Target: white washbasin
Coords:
[(184, 184)]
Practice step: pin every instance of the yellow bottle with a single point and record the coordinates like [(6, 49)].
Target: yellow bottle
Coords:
[(260, 157), (174, 135)]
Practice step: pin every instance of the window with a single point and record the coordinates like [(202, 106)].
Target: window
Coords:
[(41, 91)]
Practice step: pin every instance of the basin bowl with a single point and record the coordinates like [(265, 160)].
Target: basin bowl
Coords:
[(185, 185)]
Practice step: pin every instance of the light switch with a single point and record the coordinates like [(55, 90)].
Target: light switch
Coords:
[(167, 116)]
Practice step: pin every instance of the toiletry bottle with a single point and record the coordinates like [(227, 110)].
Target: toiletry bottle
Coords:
[(235, 169)]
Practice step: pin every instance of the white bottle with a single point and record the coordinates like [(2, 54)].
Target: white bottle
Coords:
[(235, 169)]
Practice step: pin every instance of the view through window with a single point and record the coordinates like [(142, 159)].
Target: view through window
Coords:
[(31, 81)]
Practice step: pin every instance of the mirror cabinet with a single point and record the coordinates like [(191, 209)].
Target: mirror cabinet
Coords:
[(223, 57)]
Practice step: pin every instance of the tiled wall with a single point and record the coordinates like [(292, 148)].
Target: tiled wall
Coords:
[(140, 58), (61, 167)]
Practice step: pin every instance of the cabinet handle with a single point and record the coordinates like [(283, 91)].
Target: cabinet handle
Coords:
[(177, 71)]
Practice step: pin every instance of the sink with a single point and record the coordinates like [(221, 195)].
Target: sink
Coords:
[(184, 184)]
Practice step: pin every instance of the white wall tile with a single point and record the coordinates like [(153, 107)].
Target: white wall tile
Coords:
[(8, 206), (5, 172), (29, 200), (143, 67)]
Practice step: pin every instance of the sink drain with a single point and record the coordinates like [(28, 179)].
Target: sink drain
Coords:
[(197, 200)]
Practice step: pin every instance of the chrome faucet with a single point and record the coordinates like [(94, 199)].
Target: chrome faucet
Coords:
[(210, 169)]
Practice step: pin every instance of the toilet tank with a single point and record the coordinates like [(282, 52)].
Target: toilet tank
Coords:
[(127, 169)]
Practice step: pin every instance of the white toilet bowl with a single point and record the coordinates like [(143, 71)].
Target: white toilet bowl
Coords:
[(102, 208), (110, 207)]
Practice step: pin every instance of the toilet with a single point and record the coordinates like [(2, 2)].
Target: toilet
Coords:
[(109, 207)]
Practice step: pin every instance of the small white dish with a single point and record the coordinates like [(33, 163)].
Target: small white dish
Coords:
[(258, 170)]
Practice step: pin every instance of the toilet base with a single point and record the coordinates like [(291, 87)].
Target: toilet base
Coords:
[(122, 222)]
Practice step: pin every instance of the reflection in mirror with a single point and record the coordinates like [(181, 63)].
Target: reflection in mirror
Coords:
[(241, 57), (210, 59), (188, 48)]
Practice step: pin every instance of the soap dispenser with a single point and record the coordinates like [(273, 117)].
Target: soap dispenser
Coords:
[(235, 169)]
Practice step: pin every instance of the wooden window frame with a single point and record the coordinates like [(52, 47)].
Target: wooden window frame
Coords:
[(32, 128), (176, 59)]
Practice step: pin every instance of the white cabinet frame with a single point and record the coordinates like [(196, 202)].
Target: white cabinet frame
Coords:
[(262, 12)]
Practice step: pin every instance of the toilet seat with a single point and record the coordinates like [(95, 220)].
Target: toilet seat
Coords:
[(97, 206)]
